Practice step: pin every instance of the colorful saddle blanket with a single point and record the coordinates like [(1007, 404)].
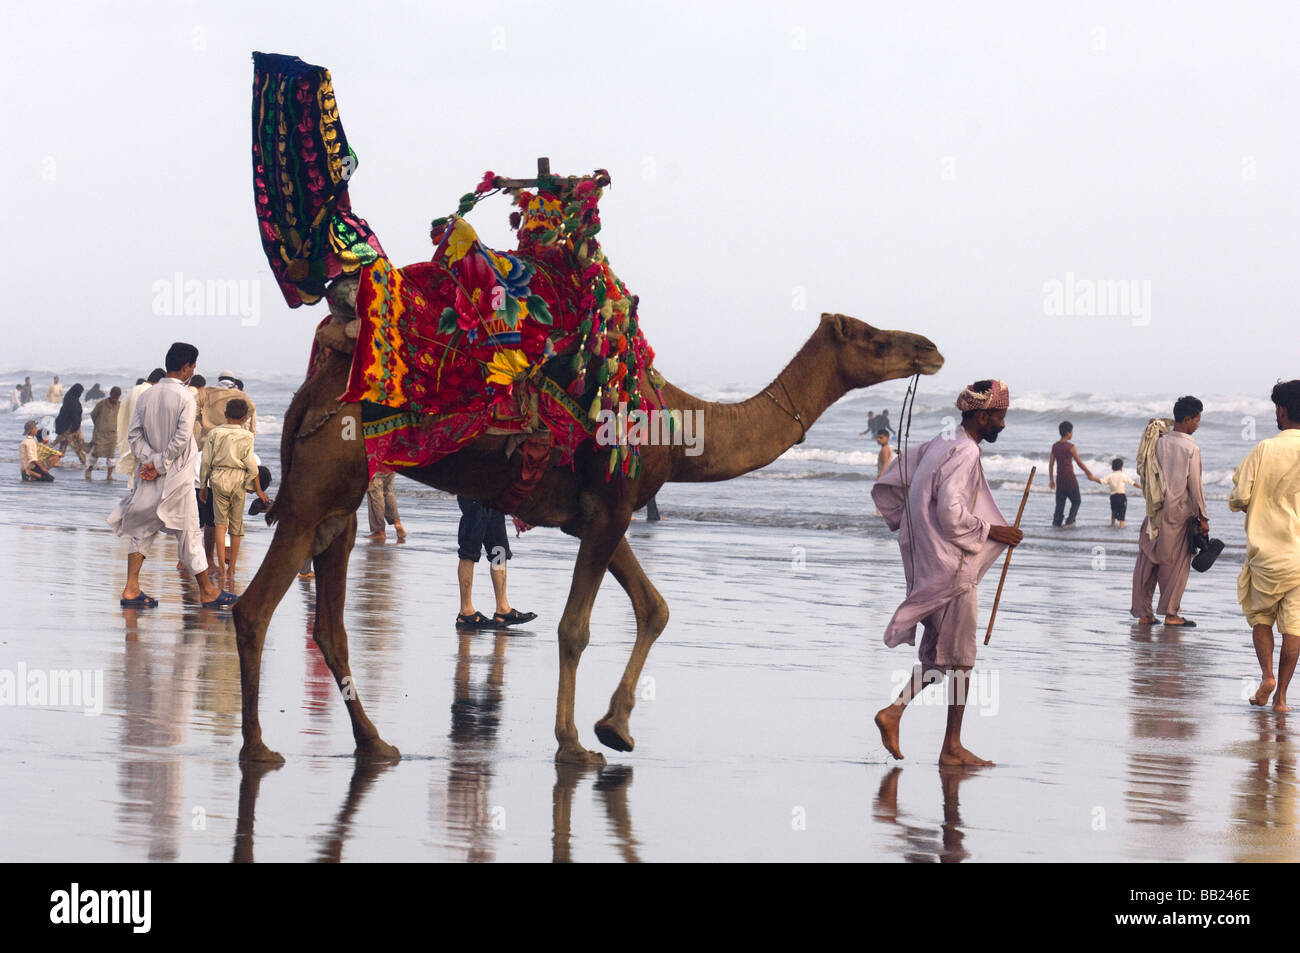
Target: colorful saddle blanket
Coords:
[(536, 341)]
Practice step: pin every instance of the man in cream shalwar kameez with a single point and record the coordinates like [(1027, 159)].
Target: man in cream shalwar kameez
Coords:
[(161, 438), (1167, 559), (950, 531), (126, 461), (1267, 487)]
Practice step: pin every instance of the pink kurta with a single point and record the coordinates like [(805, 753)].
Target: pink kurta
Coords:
[(937, 498), (1167, 560)]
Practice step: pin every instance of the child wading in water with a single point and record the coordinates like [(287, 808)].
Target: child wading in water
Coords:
[(1116, 480), (229, 470)]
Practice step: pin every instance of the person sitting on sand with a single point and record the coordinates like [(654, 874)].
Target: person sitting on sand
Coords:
[(1164, 550), (48, 456), (1267, 487), (1063, 458), (1115, 481), (886, 455), (950, 531), (30, 466), (229, 469)]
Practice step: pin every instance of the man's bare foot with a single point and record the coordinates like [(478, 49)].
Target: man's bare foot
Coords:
[(1147, 620), (1121, 524), (1280, 705), (961, 756), (180, 565), (401, 533), (887, 720), (1266, 687), (375, 535)]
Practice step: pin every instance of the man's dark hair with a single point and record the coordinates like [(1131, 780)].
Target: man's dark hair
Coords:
[(1065, 427), (1117, 463), (115, 393), (1185, 408), (156, 375), (979, 387), (198, 380), (236, 409), (139, 381), (882, 433), (1287, 395), (180, 354)]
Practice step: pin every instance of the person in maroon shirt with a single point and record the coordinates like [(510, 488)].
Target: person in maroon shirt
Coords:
[(1064, 456)]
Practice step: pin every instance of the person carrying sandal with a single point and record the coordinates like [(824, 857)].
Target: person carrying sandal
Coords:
[(483, 530)]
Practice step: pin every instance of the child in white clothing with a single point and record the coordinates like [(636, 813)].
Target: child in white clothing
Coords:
[(1117, 479)]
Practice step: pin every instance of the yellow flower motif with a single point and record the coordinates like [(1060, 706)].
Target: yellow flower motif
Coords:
[(502, 265), (461, 241), (507, 367)]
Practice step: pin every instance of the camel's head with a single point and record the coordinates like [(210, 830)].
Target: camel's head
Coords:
[(868, 355)]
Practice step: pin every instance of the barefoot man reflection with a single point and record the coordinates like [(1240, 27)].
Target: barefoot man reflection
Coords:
[(950, 532)]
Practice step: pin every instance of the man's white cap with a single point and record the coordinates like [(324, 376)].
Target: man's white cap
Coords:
[(225, 377)]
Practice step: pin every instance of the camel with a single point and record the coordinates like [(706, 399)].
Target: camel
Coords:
[(324, 478)]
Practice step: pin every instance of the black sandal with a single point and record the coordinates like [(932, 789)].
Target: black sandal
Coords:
[(476, 621), (513, 617)]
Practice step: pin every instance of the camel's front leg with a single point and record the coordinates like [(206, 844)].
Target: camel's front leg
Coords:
[(598, 544), (252, 613), (651, 616), (331, 567)]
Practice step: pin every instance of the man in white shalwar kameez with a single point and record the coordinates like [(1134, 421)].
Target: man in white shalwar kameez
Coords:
[(161, 438), (950, 531), (126, 461), (1164, 548), (1267, 487)]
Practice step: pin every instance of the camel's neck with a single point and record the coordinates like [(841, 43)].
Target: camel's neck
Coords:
[(738, 438)]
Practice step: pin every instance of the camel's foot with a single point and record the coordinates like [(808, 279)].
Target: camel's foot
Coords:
[(377, 751), (960, 756), (613, 733), (887, 720), (259, 753), (1265, 689), (576, 754)]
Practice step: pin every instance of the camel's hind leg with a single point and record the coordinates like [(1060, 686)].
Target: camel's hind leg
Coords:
[(651, 616), (331, 591), (291, 545)]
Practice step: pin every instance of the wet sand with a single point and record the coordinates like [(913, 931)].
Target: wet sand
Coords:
[(754, 738)]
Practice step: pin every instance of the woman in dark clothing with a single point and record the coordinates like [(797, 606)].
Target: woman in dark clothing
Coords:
[(67, 425)]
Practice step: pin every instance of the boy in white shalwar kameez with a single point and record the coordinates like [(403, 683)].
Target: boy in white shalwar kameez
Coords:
[(161, 438), (950, 531)]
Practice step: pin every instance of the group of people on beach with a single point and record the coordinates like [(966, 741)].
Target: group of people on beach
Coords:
[(950, 531)]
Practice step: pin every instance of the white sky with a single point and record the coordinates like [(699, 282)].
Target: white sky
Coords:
[(921, 166)]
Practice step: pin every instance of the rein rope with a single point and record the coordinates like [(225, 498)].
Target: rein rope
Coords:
[(904, 434), (303, 434), (792, 413)]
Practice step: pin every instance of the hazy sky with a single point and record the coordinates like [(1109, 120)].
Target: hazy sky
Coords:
[(931, 167)]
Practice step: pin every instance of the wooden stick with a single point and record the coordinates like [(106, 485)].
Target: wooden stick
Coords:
[(1007, 562)]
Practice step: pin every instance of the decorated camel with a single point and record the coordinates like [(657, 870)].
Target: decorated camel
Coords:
[(542, 353)]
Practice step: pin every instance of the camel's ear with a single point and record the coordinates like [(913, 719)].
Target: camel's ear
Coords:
[(836, 324)]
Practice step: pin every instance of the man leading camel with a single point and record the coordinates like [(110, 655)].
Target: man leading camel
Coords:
[(950, 531), (162, 440), (1267, 487)]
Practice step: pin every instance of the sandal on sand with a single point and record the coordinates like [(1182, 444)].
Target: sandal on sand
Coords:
[(1185, 624), (222, 601), (142, 601), (514, 617), (476, 621)]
